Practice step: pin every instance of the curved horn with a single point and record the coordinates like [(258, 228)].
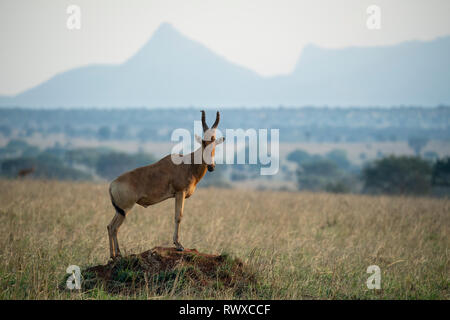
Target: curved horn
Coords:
[(216, 123), (205, 126)]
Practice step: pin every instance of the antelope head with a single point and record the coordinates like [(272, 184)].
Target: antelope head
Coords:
[(209, 142)]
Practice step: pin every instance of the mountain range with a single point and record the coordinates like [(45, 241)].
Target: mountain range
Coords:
[(172, 70)]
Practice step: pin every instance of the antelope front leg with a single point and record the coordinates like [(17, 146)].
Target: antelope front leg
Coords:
[(179, 206)]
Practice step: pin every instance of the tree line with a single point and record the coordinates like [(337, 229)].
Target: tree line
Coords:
[(397, 175), (68, 164)]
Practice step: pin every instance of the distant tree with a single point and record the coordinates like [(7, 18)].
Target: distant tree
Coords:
[(380, 137), (45, 166), (441, 173), (17, 145), (57, 150), (11, 167), (69, 130), (147, 134), (316, 175), (31, 151), (417, 144), (339, 157), (17, 148), (398, 175), (104, 133), (431, 155), (5, 130), (340, 186), (54, 129), (85, 156), (122, 132), (300, 156), (321, 167), (113, 164), (392, 137), (307, 135), (238, 176), (28, 132)]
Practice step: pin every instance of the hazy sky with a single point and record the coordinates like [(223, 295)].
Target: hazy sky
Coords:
[(265, 36)]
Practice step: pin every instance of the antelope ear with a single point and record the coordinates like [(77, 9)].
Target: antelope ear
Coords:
[(198, 139), (220, 140)]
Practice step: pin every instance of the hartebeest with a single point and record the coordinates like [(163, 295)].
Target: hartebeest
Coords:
[(160, 181), (25, 172)]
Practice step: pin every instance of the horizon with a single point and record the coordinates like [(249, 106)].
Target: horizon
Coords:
[(232, 108)]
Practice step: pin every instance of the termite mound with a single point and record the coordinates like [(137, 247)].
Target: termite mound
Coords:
[(165, 271)]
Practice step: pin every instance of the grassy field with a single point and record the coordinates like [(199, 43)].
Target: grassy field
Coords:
[(302, 245)]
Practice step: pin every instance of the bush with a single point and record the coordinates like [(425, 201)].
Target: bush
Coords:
[(339, 157), (321, 168), (441, 173), (104, 133), (318, 175), (339, 186), (5, 131), (417, 144), (300, 157), (85, 156), (46, 167), (398, 175)]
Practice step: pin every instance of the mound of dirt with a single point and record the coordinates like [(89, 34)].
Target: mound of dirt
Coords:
[(166, 270)]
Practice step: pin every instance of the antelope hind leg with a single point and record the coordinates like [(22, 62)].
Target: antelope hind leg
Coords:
[(113, 229), (179, 206), (117, 224), (112, 252)]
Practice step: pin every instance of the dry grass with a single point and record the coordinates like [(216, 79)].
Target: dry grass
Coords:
[(303, 245)]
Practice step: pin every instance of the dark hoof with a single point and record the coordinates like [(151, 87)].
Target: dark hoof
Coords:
[(119, 256), (179, 247)]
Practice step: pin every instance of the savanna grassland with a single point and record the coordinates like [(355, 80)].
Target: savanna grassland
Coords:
[(300, 245)]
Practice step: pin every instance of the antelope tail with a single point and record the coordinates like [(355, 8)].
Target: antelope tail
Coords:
[(118, 209)]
